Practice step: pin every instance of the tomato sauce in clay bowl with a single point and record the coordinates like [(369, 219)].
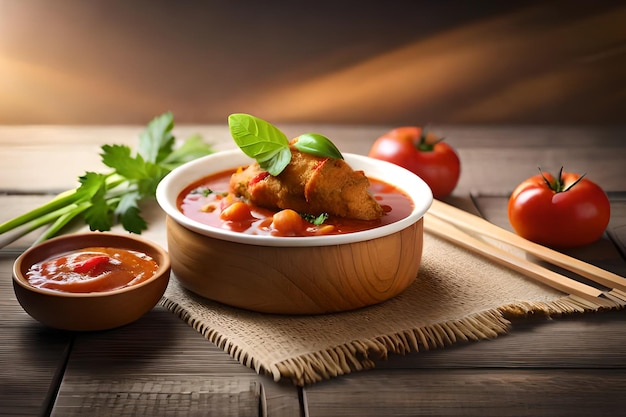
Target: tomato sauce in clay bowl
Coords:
[(93, 269), (91, 281), (317, 274)]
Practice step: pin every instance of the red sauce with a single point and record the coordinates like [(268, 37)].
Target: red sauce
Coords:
[(205, 199), (93, 269)]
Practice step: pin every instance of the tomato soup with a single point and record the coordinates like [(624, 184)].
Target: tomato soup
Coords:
[(206, 199), (93, 269)]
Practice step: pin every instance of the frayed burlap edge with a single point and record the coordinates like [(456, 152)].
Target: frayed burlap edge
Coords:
[(361, 354)]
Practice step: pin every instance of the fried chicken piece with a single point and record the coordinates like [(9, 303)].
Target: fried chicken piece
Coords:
[(312, 185)]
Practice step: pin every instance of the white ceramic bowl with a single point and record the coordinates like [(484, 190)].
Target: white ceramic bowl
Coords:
[(294, 275)]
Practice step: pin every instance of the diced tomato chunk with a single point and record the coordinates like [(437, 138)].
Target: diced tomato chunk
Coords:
[(258, 178), (91, 264), (288, 223), (236, 212)]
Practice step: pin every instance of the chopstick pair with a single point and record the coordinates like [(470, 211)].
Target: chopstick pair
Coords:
[(462, 228)]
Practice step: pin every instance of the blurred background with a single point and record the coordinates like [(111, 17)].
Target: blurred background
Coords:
[(347, 62)]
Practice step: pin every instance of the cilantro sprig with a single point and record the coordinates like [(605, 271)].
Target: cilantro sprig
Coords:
[(264, 142), (104, 199)]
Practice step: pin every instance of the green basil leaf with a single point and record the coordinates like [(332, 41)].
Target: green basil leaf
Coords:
[(318, 145), (277, 163), (260, 140)]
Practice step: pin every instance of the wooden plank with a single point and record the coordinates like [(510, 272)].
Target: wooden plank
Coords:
[(586, 342), (494, 158), (499, 171), (161, 366), (156, 395), (472, 392), (31, 356)]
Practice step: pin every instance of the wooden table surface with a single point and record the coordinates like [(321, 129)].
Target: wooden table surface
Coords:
[(160, 366)]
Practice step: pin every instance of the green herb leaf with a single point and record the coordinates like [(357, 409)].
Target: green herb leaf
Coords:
[(129, 213), (102, 199), (318, 145), (260, 140), (192, 148), (148, 185), (157, 141), (316, 220), (91, 184), (119, 158), (99, 215)]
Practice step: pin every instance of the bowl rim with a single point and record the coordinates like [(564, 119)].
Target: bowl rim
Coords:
[(181, 177), (164, 266)]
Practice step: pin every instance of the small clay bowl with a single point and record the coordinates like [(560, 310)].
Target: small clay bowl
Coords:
[(294, 275), (95, 310)]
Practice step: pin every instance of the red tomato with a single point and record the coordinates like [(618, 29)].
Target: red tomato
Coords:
[(422, 153), (561, 212)]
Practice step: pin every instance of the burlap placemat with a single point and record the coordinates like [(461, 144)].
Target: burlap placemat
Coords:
[(458, 296)]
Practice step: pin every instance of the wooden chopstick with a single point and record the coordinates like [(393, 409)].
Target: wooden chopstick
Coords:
[(476, 224), (445, 230)]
